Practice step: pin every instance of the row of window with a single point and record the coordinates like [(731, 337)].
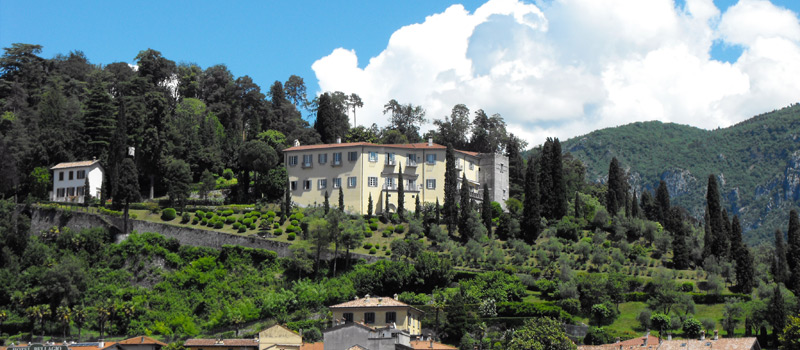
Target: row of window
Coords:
[(322, 158), (369, 317), (69, 192), (81, 174), (372, 181)]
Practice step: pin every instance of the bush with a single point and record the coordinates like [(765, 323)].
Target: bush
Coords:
[(604, 314), (373, 226), (270, 214), (523, 309), (247, 222), (367, 233), (546, 287), (236, 225), (200, 213), (276, 225), (291, 236), (185, 217), (295, 223), (205, 221), (168, 214), (230, 220), (387, 232), (253, 226), (367, 245), (242, 229), (388, 253), (195, 220), (573, 306), (227, 174), (597, 336), (219, 224), (692, 327), (228, 212), (373, 251), (209, 215), (399, 229), (277, 232), (687, 287)]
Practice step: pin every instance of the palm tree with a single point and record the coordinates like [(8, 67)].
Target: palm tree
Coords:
[(64, 315), (39, 314), (79, 316)]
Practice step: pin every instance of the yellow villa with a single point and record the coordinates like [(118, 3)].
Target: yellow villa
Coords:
[(363, 170), (379, 312)]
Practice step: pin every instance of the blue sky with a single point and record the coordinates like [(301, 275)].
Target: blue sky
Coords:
[(270, 40)]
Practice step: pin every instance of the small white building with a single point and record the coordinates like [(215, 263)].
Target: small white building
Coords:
[(69, 180)]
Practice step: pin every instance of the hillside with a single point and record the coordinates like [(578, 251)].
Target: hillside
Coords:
[(757, 163)]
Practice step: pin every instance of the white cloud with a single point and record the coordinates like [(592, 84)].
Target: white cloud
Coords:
[(572, 66)]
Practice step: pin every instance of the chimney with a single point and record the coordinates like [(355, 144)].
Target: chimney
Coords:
[(395, 296), (617, 341), (366, 298), (430, 141), (669, 336), (716, 334), (646, 336), (431, 340), (355, 297), (296, 142), (338, 140), (702, 335), (102, 343)]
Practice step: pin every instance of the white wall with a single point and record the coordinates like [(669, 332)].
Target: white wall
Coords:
[(94, 173)]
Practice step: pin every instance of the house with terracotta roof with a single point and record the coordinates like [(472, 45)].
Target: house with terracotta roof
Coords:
[(221, 344), (363, 170), (378, 312), (749, 343), (279, 337), (430, 345), (356, 335), (69, 180), (136, 343), (645, 342)]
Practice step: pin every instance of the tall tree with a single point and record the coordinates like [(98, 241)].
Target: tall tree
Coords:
[(486, 209), (531, 216), (466, 209), (539, 334), (406, 119), (635, 210), (793, 252), (295, 91), (662, 201), (717, 235), (331, 122), (552, 187), (454, 128), (369, 207), (417, 207), (341, 200), (516, 166), (326, 204), (99, 120), (745, 273), (178, 178), (450, 210), (780, 267), (128, 188), (617, 187), (488, 133), (353, 102), (401, 194)]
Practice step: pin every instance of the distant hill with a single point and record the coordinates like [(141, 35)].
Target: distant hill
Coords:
[(756, 161)]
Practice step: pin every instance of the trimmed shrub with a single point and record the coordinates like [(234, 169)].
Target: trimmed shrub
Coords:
[(373, 251), (692, 327), (270, 213), (388, 253), (387, 232), (228, 212), (295, 222), (219, 224), (205, 221), (276, 225), (168, 214), (230, 220), (687, 287), (209, 215), (195, 220), (242, 229), (247, 222), (236, 225), (253, 226), (185, 217), (367, 233), (373, 226), (291, 236), (367, 245), (200, 213), (399, 229), (277, 232)]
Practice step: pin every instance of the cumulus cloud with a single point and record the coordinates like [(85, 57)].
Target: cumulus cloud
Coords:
[(567, 67)]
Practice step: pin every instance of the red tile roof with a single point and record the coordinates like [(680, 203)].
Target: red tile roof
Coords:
[(426, 344), (370, 302), (420, 145), (635, 343), (225, 342), (312, 346), (720, 344), (140, 340), (74, 164)]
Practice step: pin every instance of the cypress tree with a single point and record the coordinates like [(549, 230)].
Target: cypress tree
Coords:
[(386, 204), (793, 251), (326, 204), (681, 252), (531, 212), (87, 194), (287, 204), (649, 207), (662, 202), (450, 191), (780, 269), (369, 206), (466, 208), (486, 209), (577, 205), (545, 179), (745, 275), (708, 236), (401, 193), (438, 211), (617, 189), (417, 208), (516, 170), (635, 206), (341, 200), (99, 120), (722, 241), (559, 182), (716, 224)]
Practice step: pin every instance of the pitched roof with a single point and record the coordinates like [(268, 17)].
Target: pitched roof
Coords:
[(312, 346), (75, 346), (140, 340), (719, 344), (426, 344), (225, 342), (420, 145), (635, 343), (348, 324), (82, 163), (370, 301), (357, 347)]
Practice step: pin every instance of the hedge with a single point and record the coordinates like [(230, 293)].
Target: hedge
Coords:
[(700, 298), (522, 309)]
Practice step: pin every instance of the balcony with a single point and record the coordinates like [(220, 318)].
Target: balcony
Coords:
[(416, 188), (459, 166), (336, 162), (411, 163), (390, 187), (307, 165), (390, 162)]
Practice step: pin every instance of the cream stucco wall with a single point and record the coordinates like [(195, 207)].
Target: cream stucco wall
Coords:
[(408, 319), (278, 335)]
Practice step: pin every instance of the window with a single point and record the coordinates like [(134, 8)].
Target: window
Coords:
[(79, 191), (430, 158), (307, 184), (293, 185), (293, 160), (323, 158), (373, 156), (502, 166), (390, 183), (70, 174), (411, 159), (391, 316), (352, 156), (81, 174), (61, 177), (412, 185), (307, 159), (348, 317), (337, 158), (372, 181), (369, 317), (322, 183), (430, 184), (389, 158), (70, 191), (337, 182), (60, 193), (471, 165)]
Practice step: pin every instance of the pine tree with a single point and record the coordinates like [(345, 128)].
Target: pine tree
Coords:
[(531, 212), (662, 201), (486, 209), (450, 210), (401, 195), (369, 206), (466, 209), (326, 205), (99, 120), (780, 269), (745, 275), (341, 200), (793, 251), (417, 208)]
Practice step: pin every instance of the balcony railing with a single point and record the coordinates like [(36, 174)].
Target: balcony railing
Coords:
[(307, 165), (390, 162), (411, 163), (412, 188), (336, 163), (390, 187), (459, 166)]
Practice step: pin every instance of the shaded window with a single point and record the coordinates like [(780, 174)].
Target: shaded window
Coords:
[(307, 184), (61, 176), (369, 317), (430, 158), (352, 156), (337, 158), (348, 317), (391, 316), (70, 174), (293, 185), (81, 174), (430, 184), (323, 158), (372, 181), (337, 182), (351, 181)]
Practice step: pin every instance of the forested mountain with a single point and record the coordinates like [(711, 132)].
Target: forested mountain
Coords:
[(757, 164)]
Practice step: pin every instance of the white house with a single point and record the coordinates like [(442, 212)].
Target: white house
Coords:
[(69, 180)]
